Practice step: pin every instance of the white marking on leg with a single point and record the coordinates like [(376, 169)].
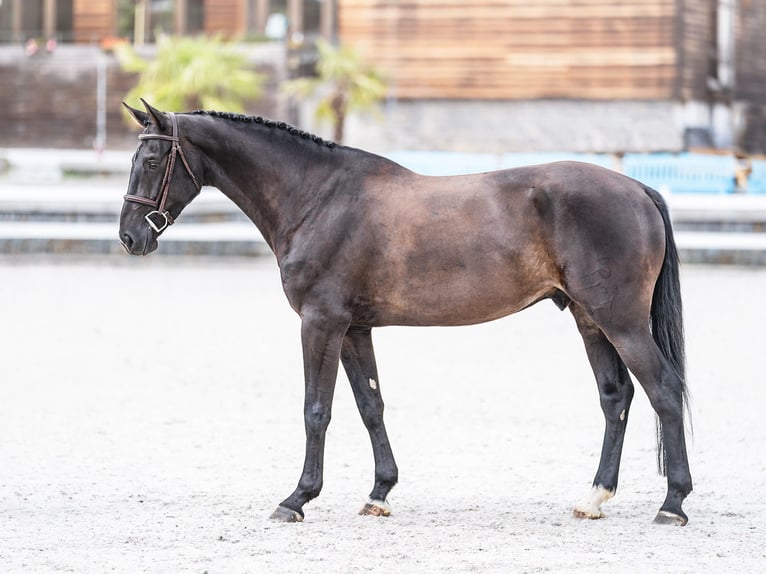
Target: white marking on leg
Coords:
[(622, 415), (591, 508), (376, 508), (380, 504), (373, 384)]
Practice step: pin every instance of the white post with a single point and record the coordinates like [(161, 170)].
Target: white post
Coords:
[(139, 24), (722, 117), (100, 142), (725, 41)]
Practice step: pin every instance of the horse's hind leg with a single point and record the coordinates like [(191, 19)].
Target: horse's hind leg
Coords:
[(665, 392), (616, 393), (358, 359)]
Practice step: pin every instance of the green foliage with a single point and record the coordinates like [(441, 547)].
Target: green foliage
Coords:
[(192, 72), (345, 82)]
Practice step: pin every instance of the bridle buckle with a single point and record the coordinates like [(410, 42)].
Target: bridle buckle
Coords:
[(165, 216)]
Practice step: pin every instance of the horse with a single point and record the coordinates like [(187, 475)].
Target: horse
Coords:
[(362, 242)]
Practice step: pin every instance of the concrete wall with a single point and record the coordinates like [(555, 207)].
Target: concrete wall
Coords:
[(496, 127)]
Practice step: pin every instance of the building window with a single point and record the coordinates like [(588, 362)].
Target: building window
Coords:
[(6, 21), (126, 18), (311, 18), (161, 18), (22, 20), (31, 19), (276, 21), (64, 20), (195, 16)]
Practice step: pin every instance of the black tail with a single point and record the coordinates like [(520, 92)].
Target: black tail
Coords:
[(667, 317)]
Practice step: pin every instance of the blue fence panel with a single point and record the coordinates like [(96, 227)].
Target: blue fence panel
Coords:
[(683, 173), (756, 182), (445, 162), (522, 159)]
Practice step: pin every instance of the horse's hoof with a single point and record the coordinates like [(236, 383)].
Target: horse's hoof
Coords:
[(665, 517), (375, 508), (590, 513), (282, 514), (591, 508)]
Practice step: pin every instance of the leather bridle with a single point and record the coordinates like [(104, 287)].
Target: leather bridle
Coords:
[(159, 203)]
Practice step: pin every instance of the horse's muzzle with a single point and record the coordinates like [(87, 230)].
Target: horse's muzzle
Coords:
[(135, 245)]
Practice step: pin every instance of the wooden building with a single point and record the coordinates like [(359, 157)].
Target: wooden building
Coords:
[(703, 60), (705, 56), (453, 49), (585, 49), (518, 49)]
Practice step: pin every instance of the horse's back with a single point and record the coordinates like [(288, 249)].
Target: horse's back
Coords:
[(418, 250)]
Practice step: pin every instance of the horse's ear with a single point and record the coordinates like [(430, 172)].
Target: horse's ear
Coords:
[(155, 115), (141, 118)]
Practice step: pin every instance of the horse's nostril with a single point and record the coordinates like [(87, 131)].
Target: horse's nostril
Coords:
[(126, 240)]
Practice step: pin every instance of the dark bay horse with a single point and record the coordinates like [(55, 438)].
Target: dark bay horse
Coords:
[(362, 242)]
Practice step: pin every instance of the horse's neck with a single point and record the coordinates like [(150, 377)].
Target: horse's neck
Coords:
[(264, 172)]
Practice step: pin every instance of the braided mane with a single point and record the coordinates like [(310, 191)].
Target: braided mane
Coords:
[(292, 130)]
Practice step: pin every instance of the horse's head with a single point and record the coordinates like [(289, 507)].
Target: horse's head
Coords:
[(159, 186)]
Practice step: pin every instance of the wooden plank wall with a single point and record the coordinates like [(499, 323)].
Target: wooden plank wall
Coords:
[(517, 49), (228, 17), (93, 20), (750, 52), (750, 72), (698, 49)]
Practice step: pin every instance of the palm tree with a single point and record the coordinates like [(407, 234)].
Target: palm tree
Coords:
[(346, 83), (192, 72)]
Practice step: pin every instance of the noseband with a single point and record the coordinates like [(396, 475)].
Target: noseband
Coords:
[(159, 203)]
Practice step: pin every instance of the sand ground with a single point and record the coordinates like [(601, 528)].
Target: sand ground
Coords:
[(151, 420)]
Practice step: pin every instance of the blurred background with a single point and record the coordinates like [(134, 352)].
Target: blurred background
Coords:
[(672, 93)]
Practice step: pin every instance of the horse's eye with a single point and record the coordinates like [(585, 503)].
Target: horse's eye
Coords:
[(151, 164)]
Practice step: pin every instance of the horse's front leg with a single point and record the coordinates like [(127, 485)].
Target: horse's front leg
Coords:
[(321, 337), (358, 359)]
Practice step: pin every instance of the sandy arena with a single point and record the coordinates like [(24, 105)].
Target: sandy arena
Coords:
[(151, 420)]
